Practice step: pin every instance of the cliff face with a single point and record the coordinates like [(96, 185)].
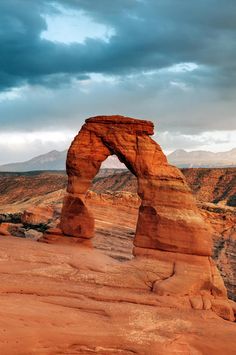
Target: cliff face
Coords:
[(213, 185), (223, 221)]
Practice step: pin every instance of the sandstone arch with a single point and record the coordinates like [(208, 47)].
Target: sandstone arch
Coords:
[(168, 219)]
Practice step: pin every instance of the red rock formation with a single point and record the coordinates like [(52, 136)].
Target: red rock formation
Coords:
[(168, 217), (223, 221), (71, 299), (213, 185), (170, 227)]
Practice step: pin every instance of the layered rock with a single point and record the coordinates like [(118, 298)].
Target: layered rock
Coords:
[(223, 221), (170, 226), (168, 217), (213, 185)]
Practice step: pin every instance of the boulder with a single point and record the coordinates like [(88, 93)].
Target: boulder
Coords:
[(37, 215)]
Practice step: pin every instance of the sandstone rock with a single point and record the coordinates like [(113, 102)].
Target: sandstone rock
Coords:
[(170, 226), (66, 299), (4, 229), (207, 303), (223, 309), (120, 199), (168, 217), (212, 185), (18, 230), (55, 236), (15, 230), (223, 221), (37, 215), (196, 302)]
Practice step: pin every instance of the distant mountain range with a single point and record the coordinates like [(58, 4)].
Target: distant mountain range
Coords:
[(202, 159), (55, 160)]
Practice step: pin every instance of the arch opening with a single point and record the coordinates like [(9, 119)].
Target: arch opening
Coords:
[(114, 203)]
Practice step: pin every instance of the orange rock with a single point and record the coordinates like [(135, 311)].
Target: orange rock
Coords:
[(9, 229), (168, 217), (223, 308), (4, 229), (66, 299), (170, 229), (37, 215)]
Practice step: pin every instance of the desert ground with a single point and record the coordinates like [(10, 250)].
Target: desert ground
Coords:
[(53, 295)]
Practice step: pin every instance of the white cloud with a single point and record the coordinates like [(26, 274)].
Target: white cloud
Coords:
[(12, 94), (183, 67), (70, 26), (214, 141), (20, 146)]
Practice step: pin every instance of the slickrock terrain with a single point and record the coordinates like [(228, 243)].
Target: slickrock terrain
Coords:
[(63, 299), (69, 297)]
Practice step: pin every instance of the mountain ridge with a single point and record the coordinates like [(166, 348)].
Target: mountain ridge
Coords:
[(202, 158), (55, 160)]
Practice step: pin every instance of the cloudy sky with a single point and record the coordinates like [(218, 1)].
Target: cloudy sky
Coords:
[(169, 61)]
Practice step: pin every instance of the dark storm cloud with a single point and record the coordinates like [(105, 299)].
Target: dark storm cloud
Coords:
[(148, 35)]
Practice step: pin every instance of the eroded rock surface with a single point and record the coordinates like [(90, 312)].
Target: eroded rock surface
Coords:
[(169, 224), (70, 299), (168, 217), (223, 221)]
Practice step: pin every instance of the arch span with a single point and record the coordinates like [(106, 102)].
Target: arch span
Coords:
[(168, 216)]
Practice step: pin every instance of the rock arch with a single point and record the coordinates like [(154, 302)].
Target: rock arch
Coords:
[(168, 218)]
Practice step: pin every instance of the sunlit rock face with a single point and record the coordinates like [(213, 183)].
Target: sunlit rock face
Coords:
[(168, 217), (170, 229)]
